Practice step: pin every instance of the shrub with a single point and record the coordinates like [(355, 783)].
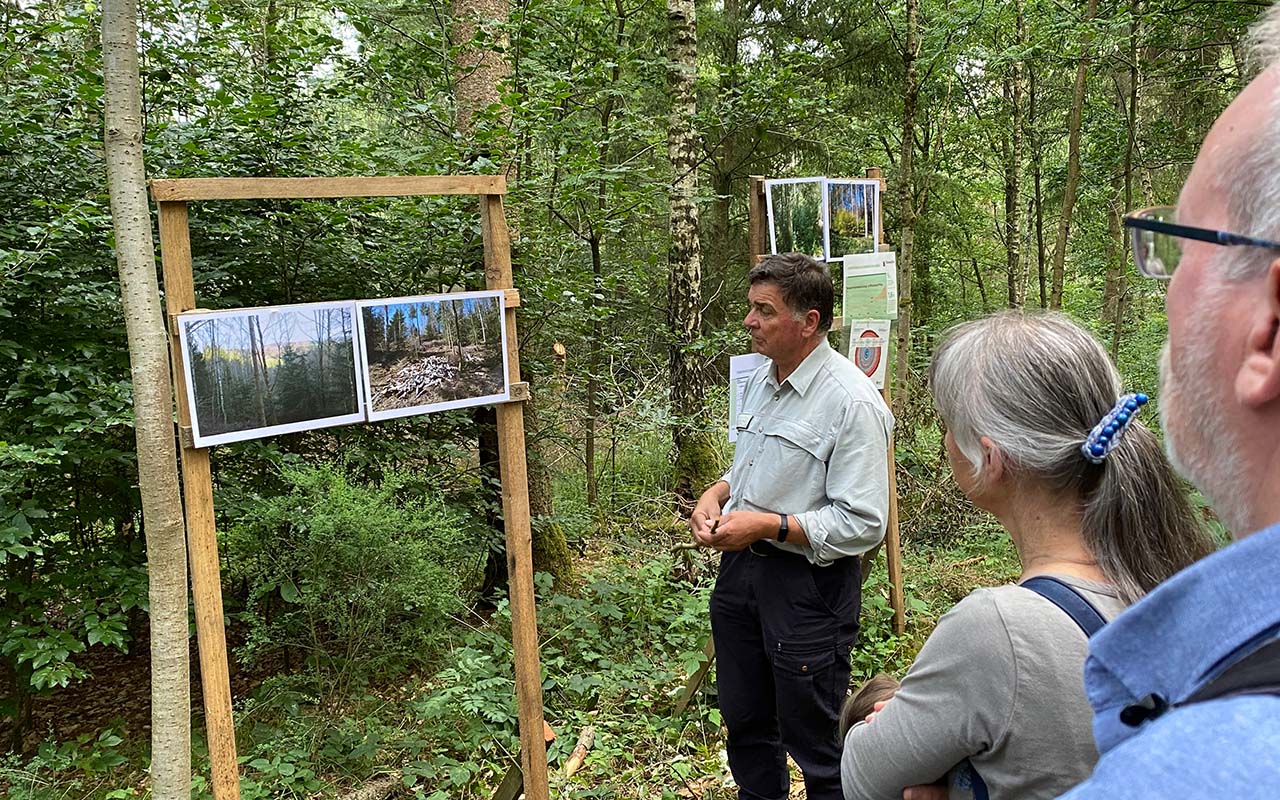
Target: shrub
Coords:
[(360, 580)]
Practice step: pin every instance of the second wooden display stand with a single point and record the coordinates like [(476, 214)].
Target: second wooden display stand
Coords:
[(171, 197), (758, 241)]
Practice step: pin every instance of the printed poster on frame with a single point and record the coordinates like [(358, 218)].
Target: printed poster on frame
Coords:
[(869, 347), (870, 286), (433, 352), (257, 372)]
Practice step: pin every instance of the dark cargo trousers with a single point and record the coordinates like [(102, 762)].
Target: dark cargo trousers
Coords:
[(783, 629)]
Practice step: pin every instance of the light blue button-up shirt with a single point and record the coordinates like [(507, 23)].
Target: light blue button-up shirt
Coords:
[(815, 447), (1181, 635)]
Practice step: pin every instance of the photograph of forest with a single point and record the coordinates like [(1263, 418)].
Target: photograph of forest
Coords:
[(260, 372), (433, 352), (851, 218), (795, 216)]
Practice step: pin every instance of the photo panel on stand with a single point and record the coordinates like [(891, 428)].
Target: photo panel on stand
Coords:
[(853, 217), (260, 372), (433, 352), (797, 216)]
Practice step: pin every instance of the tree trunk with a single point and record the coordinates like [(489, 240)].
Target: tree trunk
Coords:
[(152, 405), (1073, 158), (1037, 156), (690, 440), (1013, 174), (906, 200), (1131, 143), (477, 86)]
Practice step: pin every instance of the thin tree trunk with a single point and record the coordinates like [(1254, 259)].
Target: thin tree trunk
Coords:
[(684, 265), (152, 405), (1073, 158), (906, 200), (1037, 155), (1135, 79), (1013, 173)]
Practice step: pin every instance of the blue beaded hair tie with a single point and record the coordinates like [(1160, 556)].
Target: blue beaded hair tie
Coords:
[(1104, 436)]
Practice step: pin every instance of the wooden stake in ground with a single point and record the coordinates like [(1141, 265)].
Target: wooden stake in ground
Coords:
[(162, 516)]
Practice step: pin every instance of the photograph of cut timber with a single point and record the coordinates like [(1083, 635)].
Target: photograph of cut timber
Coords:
[(796, 218), (265, 371), (851, 217), (434, 352)]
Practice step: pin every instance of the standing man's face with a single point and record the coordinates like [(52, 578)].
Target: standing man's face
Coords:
[(775, 331)]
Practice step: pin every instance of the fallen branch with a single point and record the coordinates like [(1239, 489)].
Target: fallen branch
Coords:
[(579, 754)]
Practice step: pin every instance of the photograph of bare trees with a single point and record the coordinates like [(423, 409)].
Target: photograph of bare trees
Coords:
[(434, 352), (261, 372), (852, 217)]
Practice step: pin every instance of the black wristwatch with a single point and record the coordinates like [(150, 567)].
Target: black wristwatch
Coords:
[(782, 527)]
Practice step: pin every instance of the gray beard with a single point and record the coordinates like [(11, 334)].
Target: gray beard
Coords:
[(1199, 443)]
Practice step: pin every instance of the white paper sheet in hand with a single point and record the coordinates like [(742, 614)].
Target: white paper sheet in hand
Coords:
[(740, 368)]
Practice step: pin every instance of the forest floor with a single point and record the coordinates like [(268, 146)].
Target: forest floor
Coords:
[(616, 647), (436, 375)]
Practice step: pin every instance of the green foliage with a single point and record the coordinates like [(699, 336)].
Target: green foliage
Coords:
[(89, 766), (359, 579)]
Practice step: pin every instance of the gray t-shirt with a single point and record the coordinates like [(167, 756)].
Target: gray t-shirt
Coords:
[(999, 682)]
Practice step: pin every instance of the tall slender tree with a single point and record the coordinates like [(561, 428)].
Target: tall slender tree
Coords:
[(1073, 155), (906, 198), (684, 265), (152, 405)]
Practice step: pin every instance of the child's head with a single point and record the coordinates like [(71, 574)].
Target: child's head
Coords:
[(863, 701)]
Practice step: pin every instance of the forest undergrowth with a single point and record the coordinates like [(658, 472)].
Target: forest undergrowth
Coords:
[(402, 679)]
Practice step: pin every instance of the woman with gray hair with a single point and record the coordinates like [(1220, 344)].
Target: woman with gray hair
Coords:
[(1039, 435)]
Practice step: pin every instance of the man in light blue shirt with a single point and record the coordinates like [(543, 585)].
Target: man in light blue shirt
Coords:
[(808, 493), (1150, 671)]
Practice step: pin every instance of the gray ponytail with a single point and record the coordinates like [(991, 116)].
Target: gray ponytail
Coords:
[(1035, 384)]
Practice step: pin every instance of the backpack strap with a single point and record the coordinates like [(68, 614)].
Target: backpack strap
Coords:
[(1256, 673), (1069, 600)]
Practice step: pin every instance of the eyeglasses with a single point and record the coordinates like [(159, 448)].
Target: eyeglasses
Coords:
[(1157, 245)]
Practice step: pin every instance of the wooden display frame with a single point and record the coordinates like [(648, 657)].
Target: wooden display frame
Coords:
[(758, 242), (172, 197)]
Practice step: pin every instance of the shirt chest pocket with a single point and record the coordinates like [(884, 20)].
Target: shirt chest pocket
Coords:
[(797, 444)]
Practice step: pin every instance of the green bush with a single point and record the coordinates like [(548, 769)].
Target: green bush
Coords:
[(358, 580)]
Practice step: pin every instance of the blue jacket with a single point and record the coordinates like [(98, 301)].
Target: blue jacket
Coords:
[(1170, 643)]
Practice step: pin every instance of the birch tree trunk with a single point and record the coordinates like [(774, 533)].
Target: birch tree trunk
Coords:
[(1073, 158), (906, 201), (152, 405), (684, 257)]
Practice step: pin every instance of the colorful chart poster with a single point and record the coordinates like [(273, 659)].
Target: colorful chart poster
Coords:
[(869, 347), (740, 368), (871, 286)]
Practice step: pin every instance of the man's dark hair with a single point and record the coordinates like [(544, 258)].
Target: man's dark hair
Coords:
[(804, 282)]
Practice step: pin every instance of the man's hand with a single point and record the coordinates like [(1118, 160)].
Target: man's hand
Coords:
[(707, 511), (737, 530)]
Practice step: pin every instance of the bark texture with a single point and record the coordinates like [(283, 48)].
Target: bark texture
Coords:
[(684, 257), (152, 405)]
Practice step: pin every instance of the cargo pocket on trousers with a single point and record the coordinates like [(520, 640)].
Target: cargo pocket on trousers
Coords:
[(804, 677)]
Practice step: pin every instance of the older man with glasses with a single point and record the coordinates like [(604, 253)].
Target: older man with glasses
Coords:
[(1185, 685)]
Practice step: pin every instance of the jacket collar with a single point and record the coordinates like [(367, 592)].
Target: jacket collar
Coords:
[(1184, 631)]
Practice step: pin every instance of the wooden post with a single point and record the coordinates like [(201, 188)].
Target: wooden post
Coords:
[(892, 536), (202, 540), (515, 515)]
